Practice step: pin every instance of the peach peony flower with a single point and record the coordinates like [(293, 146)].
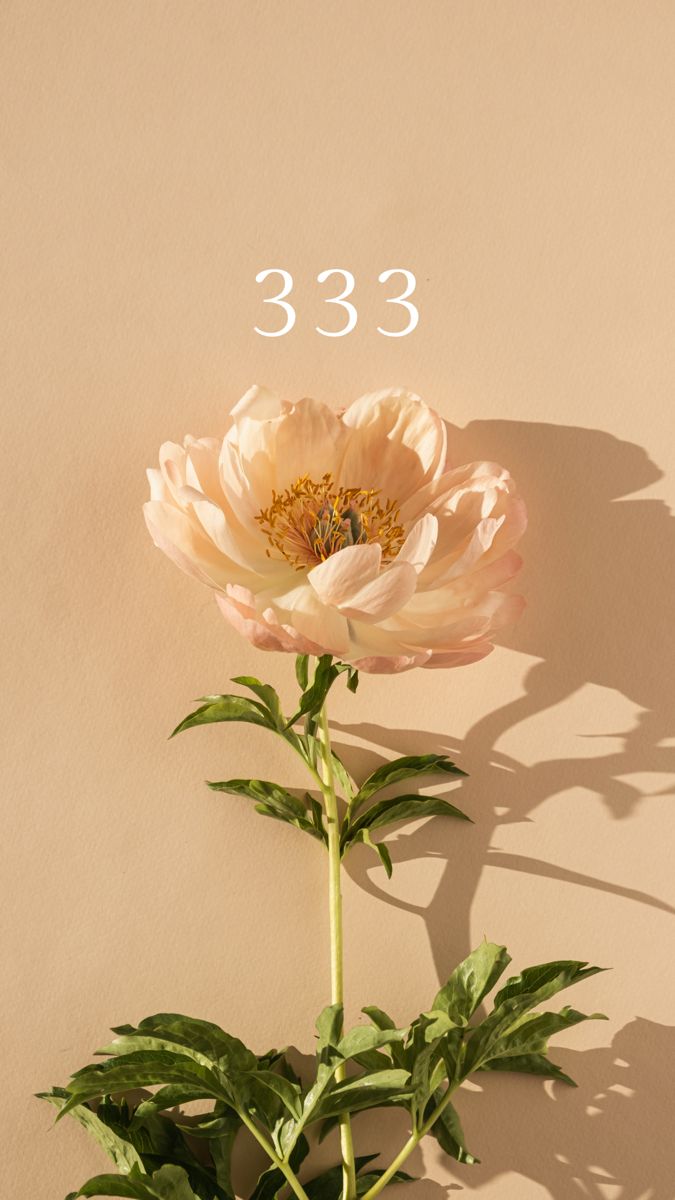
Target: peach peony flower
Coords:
[(343, 534)]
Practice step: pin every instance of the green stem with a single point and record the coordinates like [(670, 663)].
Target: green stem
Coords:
[(409, 1146), (286, 1170), (336, 957)]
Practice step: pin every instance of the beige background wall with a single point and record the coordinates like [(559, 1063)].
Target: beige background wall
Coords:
[(518, 157)]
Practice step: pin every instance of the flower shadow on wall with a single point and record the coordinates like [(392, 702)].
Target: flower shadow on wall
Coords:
[(592, 617)]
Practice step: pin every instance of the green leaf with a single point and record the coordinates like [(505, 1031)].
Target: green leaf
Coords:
[(424, 1056), (272, 800), (272, 795), (380, 1019), (531, 1032), (278, 1086), (140, 1070), (317, 817), (153, 1141), (302, 670), (196, 1034), (439, 1024), (365, 1037), (325, 1073), (534, 979), (171, 1096), (270, 1183), (311, 748), (423, 1066), (512, 1002), (352, 675), (160, 1142), (343, 777), (406, 767), (471, 981), (313, 697), (277, 1058), (452, 1050), (123, 1046), (304, 825), (221, 1148), (382, 852), (363, 835), (401, 808), (329, 1028), (140, 1139), (529, 1064), (227, 708), (328, 1185), (372, 1090), (365, 1091), (543, 1025), (376, 1060), (209, 1125), (449, 1134), (168, 1183), (266, 693), (119, 1149)]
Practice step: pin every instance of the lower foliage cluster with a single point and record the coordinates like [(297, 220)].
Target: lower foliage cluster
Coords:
[(418, 1068)]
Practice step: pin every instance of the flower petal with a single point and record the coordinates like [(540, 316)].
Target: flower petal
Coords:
[(273, 443), (301, 608), (309, 441), (392, 664), (396, 443), (158, 487), (258, 404), (426, 607), (245, 549), (244, 618), (183, 541), (341, 575), (263, 630), (172, 468), (419, 544), (384, 595), (458, 658)]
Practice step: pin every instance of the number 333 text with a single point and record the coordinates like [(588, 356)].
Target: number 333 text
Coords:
[(281, 301)]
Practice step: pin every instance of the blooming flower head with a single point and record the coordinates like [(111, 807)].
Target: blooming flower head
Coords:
[(346, 534)]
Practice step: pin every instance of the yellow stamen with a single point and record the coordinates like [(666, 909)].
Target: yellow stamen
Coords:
[(309, 521)]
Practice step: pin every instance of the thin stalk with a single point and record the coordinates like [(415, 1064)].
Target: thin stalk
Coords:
[(286, 1170), (409, 1146), (336, 957)]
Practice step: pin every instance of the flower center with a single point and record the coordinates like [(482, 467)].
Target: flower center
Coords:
[(309, 521)]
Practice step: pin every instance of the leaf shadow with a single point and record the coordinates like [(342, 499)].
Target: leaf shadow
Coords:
[(606, 1132), (467, 849), (609, 1136), (599, 577)]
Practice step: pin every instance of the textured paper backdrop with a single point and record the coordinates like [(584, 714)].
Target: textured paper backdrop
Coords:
[(518, 157)]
